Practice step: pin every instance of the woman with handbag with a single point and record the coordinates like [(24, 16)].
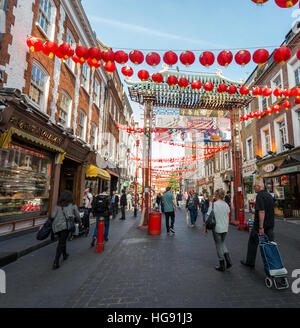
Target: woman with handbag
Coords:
[(220, 210), (64, 215)]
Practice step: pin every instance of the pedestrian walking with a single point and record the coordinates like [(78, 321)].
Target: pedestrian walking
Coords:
[(129, 201), (169, 209), (115, 203), (204, 206), (221, 211), (264, 221), (102, 207), (123, 204), (192, 205), (178, 198), (88, 200), (64, 215), (158, 202)]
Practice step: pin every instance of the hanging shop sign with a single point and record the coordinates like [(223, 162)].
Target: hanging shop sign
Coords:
[(269, 168), (291, 169)]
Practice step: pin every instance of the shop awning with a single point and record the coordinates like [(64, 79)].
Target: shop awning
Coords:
[(94, 172), (6, 137)]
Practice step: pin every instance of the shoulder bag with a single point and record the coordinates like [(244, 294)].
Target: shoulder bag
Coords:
[(211, 220), (69, 222)]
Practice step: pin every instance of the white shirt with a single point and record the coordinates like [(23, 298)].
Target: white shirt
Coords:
[(87, 199), (221, 210)]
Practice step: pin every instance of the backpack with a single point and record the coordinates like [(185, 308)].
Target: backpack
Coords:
[(101, 204), (191, 203)]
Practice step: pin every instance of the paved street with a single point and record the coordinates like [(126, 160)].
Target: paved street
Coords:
[(138, 271)]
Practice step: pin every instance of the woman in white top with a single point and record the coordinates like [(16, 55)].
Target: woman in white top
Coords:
[(221, 210)]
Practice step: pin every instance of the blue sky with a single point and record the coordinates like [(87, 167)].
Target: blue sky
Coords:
[(190, 25)]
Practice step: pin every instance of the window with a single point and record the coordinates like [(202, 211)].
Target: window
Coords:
[(221, 160), (64, 110), (97, 93), (246, 112), (266, 140), (94, 135), (297, 76), (45, 16), (226, 161), (282, 134), (70, 40), (38, 85), (249, 147), (82, 125), (276, 82), (217, 164), (264, 102), (84, 77)]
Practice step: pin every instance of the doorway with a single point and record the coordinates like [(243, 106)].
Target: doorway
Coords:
[(69, 177)]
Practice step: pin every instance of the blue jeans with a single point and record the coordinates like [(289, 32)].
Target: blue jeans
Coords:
[(204, 214), (193, 214), (106, 227)]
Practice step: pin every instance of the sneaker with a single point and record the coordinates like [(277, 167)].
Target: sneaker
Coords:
[(169, 233), (172, 230)]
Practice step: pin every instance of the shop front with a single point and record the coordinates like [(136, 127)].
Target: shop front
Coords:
[(249, 171), (96, 179)]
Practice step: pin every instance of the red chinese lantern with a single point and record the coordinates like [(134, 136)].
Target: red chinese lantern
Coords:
[(207, 58), (297, 101), (267, 92), (244, 90), (284, 178), (196, 85), (143, 75), (287, 93), (66, 50), (251, 115), (276, 108), (34, 44), (296, 92), (109, 66), (121, 57), (153, 59), (170, 58), (260, 2), (77, 60), (208, 87), (287, 104), (82, 53), (259, 114), (244, 118), (243, 57), (257, 91), (278, 92), (269, 110), (232, 89), (260, 56), (108, 55), (183, 82), (187, 58), (50, 48), (127, 71), (286, 3), (136, 57), (225, 58), (157, 77), (172, 80), (94, 64), (298, 54), (222, 88), (282, 54)]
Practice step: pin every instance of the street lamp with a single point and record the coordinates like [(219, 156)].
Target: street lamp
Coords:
[(136, 173)]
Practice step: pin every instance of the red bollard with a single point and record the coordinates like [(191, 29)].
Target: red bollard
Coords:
[(100, 237)]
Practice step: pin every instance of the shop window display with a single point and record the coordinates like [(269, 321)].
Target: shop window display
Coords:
[(24, 183)]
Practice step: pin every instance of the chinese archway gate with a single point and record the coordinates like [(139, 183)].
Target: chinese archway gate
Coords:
[(150, 95)]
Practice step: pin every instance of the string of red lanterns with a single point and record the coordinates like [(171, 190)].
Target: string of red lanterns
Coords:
[(279, 3)]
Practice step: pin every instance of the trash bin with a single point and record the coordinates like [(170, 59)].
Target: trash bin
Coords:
[(154, 226)]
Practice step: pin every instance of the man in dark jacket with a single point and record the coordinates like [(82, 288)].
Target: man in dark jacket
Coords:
[(123, 203), (192, 205), (115, 203), (102, 207), (204, 206)]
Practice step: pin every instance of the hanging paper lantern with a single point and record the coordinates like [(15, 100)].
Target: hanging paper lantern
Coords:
[(276, 108), (78, 60), (196, 85), (244, 90), (243, 57), (222, 88), (143, 75), (284, 178), (66, 50), (259, 114), (136, 57), (34, 44), (278, 92), (50, 48), (108, 55), (183, 82), (287, 93), (157, 77), (127, 71), (207, 58), (172, 80), (287, 104), (187, 58), (153, 59), (269, 110), (95, 54), (297, 101), (59, 54), (93, 64), (260, 56), (225, 58), (251, 115), (109, 66), (82, 53), (232, 89), (296, 92), (298, 54), (257, 91), (286, 3), (267, 92), (282, 54), (121, 57), (208, 87), (170, 58), (260, 2), (244, 118)]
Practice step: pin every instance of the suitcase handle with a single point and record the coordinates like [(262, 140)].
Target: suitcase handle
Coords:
[(263, 239)]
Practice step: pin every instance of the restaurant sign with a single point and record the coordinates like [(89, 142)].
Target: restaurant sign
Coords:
[(290, 169), (269, 168)]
